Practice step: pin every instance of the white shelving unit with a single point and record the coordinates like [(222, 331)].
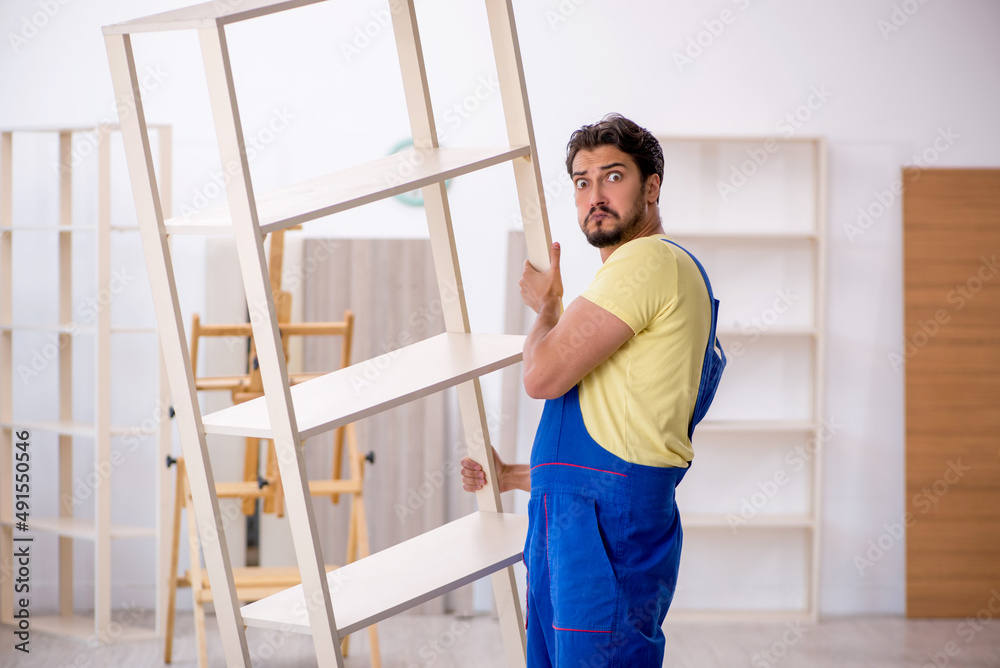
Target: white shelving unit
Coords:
[(97, 530), (484, 543), (753, 210)]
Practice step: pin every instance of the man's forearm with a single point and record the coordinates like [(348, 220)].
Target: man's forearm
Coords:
[(517, 476), (545, 321)]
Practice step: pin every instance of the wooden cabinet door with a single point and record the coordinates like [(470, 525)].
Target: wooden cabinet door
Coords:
[(951, 357)]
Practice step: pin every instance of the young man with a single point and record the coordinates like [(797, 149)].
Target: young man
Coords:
[(620, 372)]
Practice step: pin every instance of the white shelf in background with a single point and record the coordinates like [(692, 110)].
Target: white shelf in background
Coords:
[(386, 177), (75, 428), (739, 616), (80, 527), (378, 384), (804, 330), (49, 228), (404, 575), (761, 521), (59, 328), (81, 627), (754, 426), (736, 235)]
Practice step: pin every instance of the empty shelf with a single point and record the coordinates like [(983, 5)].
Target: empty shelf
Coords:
[(79, 527), (382, 178), (402, 576), (754, 426), (761, 521), (82, 627), (749, 235), (76, 428), (796, 330), (392, 379)]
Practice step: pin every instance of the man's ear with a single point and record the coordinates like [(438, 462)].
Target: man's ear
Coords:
[(652, 188)]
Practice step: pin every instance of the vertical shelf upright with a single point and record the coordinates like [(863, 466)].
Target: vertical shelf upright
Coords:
[(486, 542), (753, 209), (99, 531)]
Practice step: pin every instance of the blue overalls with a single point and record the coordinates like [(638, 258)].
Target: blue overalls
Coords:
[(603, 549), (604, 538)]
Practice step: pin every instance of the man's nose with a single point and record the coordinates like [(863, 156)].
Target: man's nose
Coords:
[(597, 195)]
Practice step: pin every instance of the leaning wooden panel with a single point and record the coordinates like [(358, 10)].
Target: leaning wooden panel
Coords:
[(952, 313)]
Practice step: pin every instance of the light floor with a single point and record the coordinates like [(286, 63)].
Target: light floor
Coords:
[(423, 641)]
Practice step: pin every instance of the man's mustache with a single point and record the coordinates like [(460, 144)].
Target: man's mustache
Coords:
[(603, 209)]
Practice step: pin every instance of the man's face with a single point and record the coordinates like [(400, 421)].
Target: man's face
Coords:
[(610, 195)]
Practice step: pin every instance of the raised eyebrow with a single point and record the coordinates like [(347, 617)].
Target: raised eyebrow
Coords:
[(602, 168)]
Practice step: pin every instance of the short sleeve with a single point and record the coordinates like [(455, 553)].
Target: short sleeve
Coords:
[(637, 283)]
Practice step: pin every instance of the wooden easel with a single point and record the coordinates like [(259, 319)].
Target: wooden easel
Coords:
[(254, 582)]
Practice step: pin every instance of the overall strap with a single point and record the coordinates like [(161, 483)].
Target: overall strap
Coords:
[(712, 340)]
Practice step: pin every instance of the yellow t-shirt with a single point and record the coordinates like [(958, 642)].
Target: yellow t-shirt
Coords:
[(639, 402)]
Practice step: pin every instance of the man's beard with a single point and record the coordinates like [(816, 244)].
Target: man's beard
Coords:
[(626, 230)]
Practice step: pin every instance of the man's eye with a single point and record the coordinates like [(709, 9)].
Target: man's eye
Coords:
[(581, 184), (614, 176)]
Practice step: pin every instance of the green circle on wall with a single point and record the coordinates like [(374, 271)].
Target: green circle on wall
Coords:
[(414, 197)]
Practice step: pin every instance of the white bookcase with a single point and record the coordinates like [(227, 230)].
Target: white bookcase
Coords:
[(94, 338), (752, 209), (485, 543)]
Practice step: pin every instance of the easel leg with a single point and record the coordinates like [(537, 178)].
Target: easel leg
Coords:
[(175, 544)]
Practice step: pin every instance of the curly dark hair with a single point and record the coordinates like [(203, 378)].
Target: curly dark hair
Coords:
[(616, 130)]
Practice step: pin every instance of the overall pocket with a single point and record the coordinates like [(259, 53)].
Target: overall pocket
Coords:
[(583, 539)]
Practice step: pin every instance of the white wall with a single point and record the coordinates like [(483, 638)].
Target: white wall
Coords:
[(886, 96)]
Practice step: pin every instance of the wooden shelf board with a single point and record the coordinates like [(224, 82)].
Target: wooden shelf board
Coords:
[(392, 379), (739, 616), (350, 188), (724, 235), (740, 139), (754, 426), (61, 328), (804, 330), (99, 127), (70, 328), (400, 577), (82, 628), (49, 228), (760, 521), (204, 15), (79, 527), (75, 428)]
